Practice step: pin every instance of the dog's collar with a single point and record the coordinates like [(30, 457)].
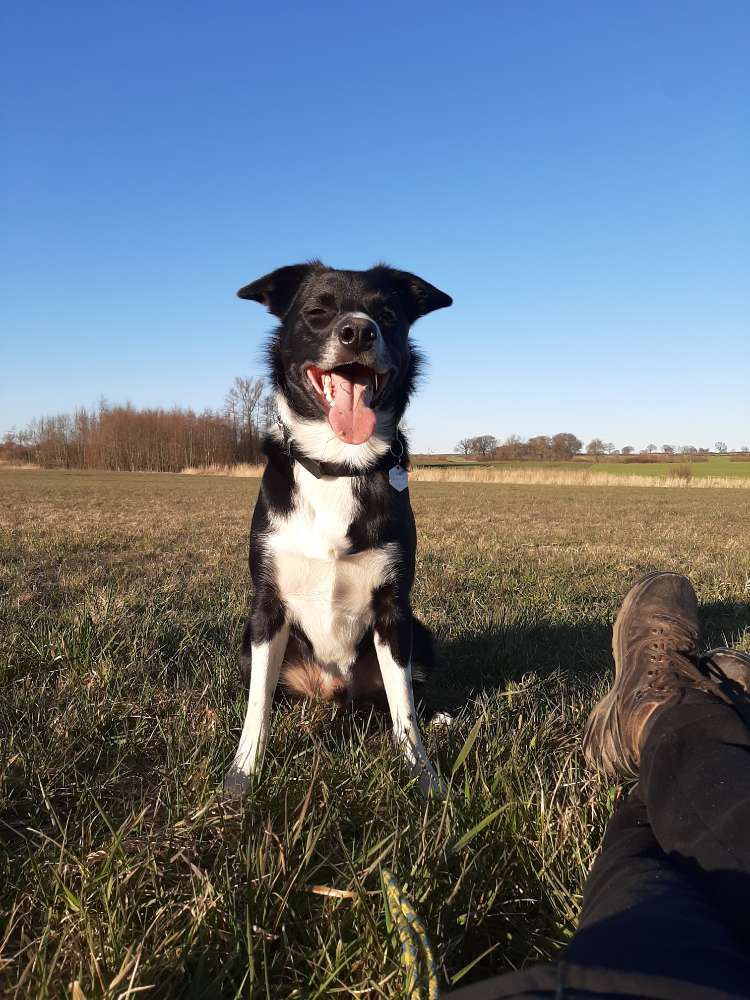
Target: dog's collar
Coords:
[(385, 463)]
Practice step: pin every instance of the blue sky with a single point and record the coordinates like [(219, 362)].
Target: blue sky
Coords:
[(575, 174)]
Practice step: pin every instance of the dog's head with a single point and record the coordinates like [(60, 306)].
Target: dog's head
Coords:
[(341, 362)]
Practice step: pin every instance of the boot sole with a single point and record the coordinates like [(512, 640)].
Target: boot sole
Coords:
[(735, 667)]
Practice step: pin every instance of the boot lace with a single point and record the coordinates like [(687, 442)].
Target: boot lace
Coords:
[(673, 658)]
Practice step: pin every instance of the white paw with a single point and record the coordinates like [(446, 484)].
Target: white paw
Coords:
[(432, 786), (235, 782), (442, 719)]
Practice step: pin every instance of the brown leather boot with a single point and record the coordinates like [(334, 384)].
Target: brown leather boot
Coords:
[(731, 670), (656, 660), (731, 665)]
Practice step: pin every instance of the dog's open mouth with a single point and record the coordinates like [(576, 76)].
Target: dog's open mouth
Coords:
[(349, 395)]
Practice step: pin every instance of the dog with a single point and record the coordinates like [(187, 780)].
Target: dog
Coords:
[(333, 537)]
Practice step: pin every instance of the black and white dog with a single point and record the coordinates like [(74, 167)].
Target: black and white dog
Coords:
[(333, 540)]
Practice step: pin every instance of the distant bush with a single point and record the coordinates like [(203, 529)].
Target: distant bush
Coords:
[(742, 456), (653, 459), (681, 471)]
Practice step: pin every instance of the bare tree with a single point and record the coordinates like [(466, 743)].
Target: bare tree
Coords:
[(155, 440), (512, 448), (243, 406), (464, 446), (565, 446), (628, 449), (721, 447), (650, 448), (596, 447), (484, 445), (269, 413), (668, 449), (539, 447)]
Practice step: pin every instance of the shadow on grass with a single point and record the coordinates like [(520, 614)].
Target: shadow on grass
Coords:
[(488, 661)]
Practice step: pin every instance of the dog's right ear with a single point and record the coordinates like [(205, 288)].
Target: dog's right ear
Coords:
[(276, 290)]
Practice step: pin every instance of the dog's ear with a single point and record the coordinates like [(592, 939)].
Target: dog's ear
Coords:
[(420, 297), (276, 290)]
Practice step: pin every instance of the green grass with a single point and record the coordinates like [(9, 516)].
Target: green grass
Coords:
[(717, 465), (122, 598)]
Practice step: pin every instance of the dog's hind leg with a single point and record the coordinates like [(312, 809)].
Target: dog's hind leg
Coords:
[(422, 663), (270, 632)]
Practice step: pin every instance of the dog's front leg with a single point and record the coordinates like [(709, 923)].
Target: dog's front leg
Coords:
[(270, 627), (393, 641)]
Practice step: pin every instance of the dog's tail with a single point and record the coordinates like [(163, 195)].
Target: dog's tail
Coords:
[(303, 678)]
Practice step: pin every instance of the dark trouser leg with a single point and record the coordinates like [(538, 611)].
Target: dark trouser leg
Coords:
[(695, 780), (667, 904), (643, 919), (646, 930)]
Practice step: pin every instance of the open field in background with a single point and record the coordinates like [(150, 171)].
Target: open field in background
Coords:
[(567, 474), (545, 474), (714, 468), (121, 601), (715, 472)]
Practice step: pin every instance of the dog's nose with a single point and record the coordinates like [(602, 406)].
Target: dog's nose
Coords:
[(358, 333)]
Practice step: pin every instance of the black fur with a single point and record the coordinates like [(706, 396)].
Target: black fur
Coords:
[(308, 299)]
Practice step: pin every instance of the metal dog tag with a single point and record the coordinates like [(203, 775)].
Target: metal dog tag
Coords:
[(398, 477)]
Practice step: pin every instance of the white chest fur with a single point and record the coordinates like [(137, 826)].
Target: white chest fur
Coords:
[(326, 591)]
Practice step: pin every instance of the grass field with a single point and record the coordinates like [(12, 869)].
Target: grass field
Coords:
[(717, 466), (121, 874)]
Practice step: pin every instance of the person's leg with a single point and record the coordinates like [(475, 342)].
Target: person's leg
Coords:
[(668, 720), (678, 722), (695, 780), (646, 928), (646, 923)]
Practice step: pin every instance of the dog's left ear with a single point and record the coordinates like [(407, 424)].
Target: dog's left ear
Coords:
[(420, 297), (276, 290)]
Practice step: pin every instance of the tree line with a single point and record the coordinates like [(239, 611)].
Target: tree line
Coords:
[(564, 447), (124, 438), (558, 447)]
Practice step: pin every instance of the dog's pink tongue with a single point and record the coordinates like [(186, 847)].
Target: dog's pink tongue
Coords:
[(350, 417)]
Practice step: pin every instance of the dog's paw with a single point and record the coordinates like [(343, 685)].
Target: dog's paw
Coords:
[(235, 783), (433, 787), (442, 719)]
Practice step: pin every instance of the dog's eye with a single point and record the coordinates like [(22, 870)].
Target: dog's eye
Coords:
[(387, 316), (318, 315)]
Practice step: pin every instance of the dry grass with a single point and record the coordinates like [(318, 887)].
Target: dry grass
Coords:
[(563, 477), (121, 603), (524, 477), (242, 469)]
